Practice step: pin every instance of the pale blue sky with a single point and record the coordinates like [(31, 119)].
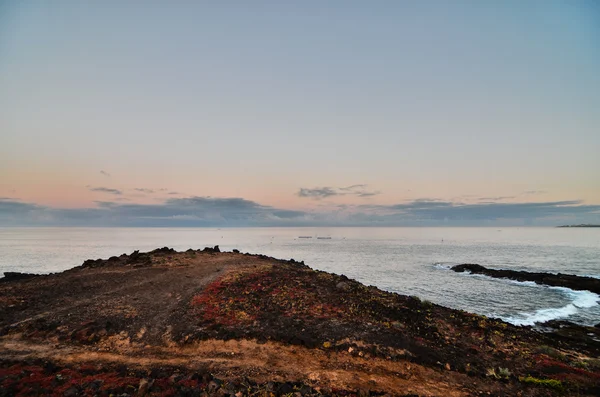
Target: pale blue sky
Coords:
[(463, 102)]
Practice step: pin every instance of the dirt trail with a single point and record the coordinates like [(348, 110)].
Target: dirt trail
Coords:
[(146, 296), (263, 362)]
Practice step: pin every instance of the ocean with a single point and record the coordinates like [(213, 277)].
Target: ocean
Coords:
[(412, 261)]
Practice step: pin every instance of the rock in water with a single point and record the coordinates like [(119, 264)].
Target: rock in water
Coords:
[(571, 281)]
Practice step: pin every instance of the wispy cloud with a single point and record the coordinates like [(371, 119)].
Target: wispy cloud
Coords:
[(497, 198), (144, 190), (319, 193), (352, 188), (105, 173), (534, 192), (106, 190)]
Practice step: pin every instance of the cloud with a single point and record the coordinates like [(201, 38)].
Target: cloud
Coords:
[(144, 190), (318, 193), (105, 204), (105, 173), (9, 205), (353, 187), (106, 190), (173, 193), (327, 191), (497, 198), (442, 212), (534, 192), (239, 212), (191, 211)]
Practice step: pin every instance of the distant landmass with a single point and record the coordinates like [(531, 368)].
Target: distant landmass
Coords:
[(582, 225)]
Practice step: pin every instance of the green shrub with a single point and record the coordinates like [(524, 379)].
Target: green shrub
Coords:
[(501, 373), (550, 383)]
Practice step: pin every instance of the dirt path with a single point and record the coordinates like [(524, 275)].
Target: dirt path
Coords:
[(263, 362), (145, 296)]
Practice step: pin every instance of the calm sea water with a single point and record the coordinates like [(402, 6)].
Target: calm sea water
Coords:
[(413, 261)]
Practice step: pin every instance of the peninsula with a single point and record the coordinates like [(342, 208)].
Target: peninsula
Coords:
[(205, 322)]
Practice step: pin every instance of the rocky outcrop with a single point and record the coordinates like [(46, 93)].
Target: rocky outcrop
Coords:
[(213, 250), (555, 280), (12, 276)]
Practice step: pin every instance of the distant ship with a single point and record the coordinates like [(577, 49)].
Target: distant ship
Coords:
[(305, 237), (323, 238)]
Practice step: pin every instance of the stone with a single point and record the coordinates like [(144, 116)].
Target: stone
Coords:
[(12, 276), (71, 392), (144, 387), (285, 388), (343, 286)]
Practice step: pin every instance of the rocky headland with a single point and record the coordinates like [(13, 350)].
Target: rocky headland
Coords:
[(570, 281), (205, 322)]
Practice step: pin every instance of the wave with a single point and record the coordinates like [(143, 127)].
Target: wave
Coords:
[(580, 300), (444, 265)]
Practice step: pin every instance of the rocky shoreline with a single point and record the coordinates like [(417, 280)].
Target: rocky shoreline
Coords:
[(556, 280), (205, 322)]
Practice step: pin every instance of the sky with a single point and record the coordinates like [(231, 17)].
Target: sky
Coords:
[(265, 113)]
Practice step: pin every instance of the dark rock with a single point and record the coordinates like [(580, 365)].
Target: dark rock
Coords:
[(270, 386), (304, 390), (13, 276), (71, 392), (213, 386), (236, 251), (175, 378), (96, 384), (164, 250), (213, 250), (285, 388), (580, 283), (92, 263), (144, 387), (343, 286), (50, 368), (139, 259)]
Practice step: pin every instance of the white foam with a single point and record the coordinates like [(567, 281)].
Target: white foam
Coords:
[(580, 300), (583, 299), (443, 266), (527, 283)]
